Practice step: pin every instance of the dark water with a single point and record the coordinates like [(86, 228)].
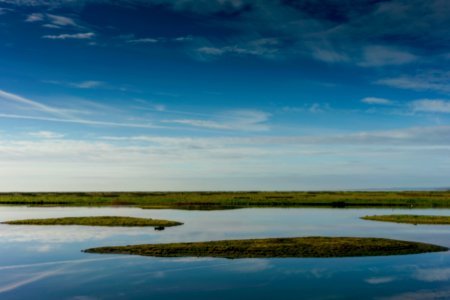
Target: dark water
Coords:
[(46, 262)]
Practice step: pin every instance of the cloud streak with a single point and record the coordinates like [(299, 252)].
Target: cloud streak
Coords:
[(71, 36), (247, 120)]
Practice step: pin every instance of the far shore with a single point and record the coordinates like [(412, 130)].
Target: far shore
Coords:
[(233, 200)]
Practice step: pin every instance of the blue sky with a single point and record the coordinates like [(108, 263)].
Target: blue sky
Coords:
[(224, 94)]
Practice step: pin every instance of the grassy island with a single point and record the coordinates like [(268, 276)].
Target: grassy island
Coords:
[(277, 247), (97, 221), (229, 200), (411, 219)]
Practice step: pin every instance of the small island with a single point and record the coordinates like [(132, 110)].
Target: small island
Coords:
[(411, 219), (97, 221), (277, 247)]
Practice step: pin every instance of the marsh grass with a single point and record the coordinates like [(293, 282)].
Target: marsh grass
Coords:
[(233, 200), (277, 247), (97, 221), (411, 219)]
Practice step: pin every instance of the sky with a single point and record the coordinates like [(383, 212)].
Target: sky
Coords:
[(162, 95)]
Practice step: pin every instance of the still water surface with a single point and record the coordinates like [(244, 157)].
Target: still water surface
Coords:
[(39, 262)]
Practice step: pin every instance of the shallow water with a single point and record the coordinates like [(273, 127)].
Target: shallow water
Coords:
[(39, 262)]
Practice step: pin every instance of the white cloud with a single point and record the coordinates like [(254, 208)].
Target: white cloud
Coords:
[(378, 101), (46, 134), (82, 121), (78, 36), (424, 136), (380, 280), (247, 120), (143, 41), (266, 47), (328, 55), (189, 38), (89, 84), (378, 56), (211, 50), (200, 123), (54, 21), (431, 106), (311, 108), (34, 104), (61, 20), (4, 10), (62, 115), (359, 160), (34, 17), (430, 81)]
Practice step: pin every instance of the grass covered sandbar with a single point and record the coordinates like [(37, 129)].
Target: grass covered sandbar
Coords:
[(97, 221), (277, 247), (411, 219)]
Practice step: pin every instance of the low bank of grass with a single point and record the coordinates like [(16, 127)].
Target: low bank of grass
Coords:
[(277, 247), (230, 200), (411, 219), (97, 221)]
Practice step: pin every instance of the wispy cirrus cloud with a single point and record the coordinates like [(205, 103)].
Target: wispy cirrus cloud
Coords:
[(436, 81), (143, 41), (61, 20), (61, 115), (425, 136), (35, 17), (88, 84), (329, 55), (431, 105), (260, 47), (380, 280), (76, 36), (377, 101), (352, 34), (46, 134), (51, 20), (33, 104), (247, 120), (378, 56), (309, 107)]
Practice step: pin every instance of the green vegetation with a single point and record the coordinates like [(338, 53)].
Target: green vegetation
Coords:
[(229, 200), (97, 221), (277, 247), (411, 219)]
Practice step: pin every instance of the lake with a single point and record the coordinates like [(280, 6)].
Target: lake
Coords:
[(39, 262)]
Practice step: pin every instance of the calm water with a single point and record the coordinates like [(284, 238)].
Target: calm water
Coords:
[(46, 262)]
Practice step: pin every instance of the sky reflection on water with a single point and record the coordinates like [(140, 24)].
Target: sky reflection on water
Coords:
[(46, 262)]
